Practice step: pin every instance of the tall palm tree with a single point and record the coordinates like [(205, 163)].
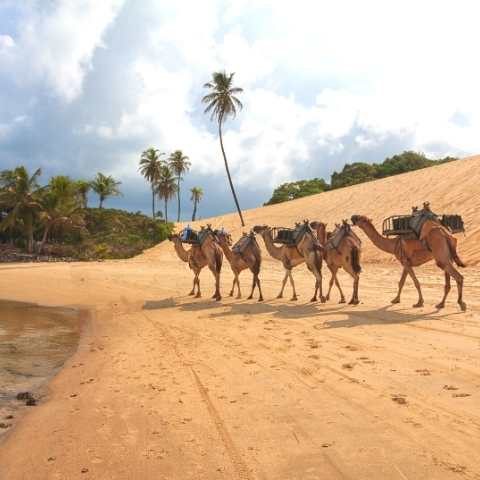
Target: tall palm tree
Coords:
[(197, 194), (83, 187), (105, 186), (221, 104), (179, 164), (20, 196), (166, 187), (150, 165)]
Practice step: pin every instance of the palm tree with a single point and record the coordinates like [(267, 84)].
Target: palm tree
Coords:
[(197, 194), (60, 209), (83, 187), (221, 104), (166, 187), (150, 165), (20, 197), (179, 164), (105, 186)]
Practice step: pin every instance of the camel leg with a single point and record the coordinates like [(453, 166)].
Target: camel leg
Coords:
[(284, 282), (356, 280), (254, 283), (233, 286), (197, 281), (192, 291), (239, 294), (260, 298), (417, 286), (292, 283), (401, 283), (217, 295), (332, 280), (446, 291), (318, 287), (459, 279)]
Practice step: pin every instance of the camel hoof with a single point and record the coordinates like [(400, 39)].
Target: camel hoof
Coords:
[(294, 299), (218, 298), (314, 299), (323, 299), (463, 306), (395, 300), (279, 296), (418, 305), (230, 294), (342, 300), (327, 297), (192, 293), (250, 297), (439, 306), (198, 295), (260, 299), (353, 302), (238, 297)]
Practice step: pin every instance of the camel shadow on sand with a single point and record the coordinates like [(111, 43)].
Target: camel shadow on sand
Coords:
[(344, 315)]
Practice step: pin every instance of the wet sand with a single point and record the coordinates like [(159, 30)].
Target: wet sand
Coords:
[(34, 344)]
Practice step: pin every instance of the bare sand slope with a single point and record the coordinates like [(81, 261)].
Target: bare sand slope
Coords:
[(164, 386), (450, 188)]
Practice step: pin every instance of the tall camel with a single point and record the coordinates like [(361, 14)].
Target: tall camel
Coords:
[(210, 251), (244, 254), (342, 249), (435, 243), (307, 249), (194, 257)]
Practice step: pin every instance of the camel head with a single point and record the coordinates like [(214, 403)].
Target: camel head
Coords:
[(223, 236), (172, 237), (360, 220), (316, 225), (260, 228)]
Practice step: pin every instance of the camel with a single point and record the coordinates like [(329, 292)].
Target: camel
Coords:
[(244, 254), (207, 253), (435, 243), (307, 249), (345, 254)]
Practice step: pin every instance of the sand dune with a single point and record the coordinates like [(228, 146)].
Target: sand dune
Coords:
[(450, 188)]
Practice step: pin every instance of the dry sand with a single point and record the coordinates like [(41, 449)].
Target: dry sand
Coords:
[(164, 386)]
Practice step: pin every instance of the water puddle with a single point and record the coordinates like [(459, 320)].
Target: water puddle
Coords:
[(35, 341)]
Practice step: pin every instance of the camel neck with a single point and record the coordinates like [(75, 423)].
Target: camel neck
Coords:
[(181, 252), (227, 251), (273, 250), (383, 243)]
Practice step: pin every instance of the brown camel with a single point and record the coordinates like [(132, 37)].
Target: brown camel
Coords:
[(435, 243), (207, 253), (307, 249), (342, 249), (244, 254), (194, 257)]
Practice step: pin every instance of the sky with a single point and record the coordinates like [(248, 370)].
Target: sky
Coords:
[(86, 86)]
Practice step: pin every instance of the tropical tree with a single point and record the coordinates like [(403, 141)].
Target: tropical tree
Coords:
[(197, 194), (166, 187), (59, 208), (179, 164), (105, 186), (150, 165), (222, 103), (20, 197), (83, 187)]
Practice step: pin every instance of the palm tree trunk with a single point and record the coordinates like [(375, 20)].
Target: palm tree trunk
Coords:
[(228, 171), (166, 210), (101, 202), (178, 198), (29, 229), (153, 201), (44, 238), (194, 210)]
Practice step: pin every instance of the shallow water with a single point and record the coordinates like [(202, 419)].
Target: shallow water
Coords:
[(34, 343)]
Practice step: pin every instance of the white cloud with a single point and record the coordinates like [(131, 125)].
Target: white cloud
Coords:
[(56, 44)]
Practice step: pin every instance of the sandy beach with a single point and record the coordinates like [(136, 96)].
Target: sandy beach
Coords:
[(164, 386)]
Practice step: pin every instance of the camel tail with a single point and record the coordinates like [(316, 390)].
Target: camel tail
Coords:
[(452, 244), (355, 254)]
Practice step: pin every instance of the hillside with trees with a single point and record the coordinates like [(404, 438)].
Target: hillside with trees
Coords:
[(354, 173)]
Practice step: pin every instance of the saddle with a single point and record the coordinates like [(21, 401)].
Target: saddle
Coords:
[(190, 236), (288, 236), (241, 245), (341, 231)]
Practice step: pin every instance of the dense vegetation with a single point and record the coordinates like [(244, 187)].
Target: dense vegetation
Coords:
[(54, 219), (354, 173)]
